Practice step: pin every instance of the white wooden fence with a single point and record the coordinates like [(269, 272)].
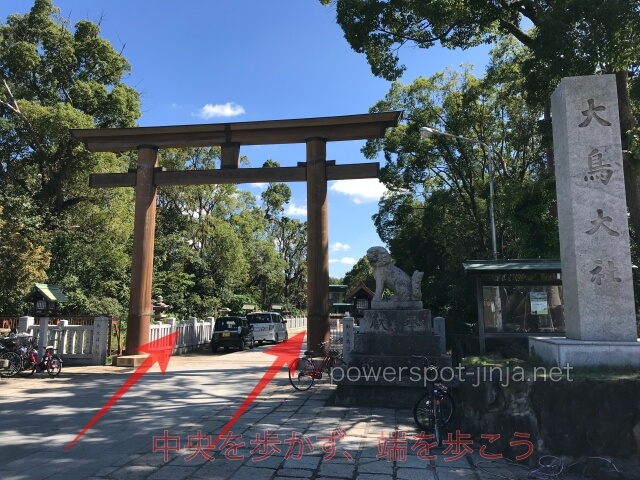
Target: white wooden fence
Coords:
[(75, 344), (192, 334), (87, 344)]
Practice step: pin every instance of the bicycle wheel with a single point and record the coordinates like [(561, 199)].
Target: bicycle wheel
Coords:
[(27, 368), (15, 364), (54, 365), (301, 374), (424, 415)]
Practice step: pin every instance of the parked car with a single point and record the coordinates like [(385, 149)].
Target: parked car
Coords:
[(268, 327), (232, 332)]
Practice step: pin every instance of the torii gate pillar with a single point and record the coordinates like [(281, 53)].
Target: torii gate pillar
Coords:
[(144, 228), (317, 245)]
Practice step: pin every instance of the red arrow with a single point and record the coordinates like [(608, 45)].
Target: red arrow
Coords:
[(159, 351), (285, 353)]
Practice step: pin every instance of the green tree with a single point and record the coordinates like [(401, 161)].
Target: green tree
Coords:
[(290, 236), (566, 38), (200, 258), (437, 214), (22, 264), (361, 272), (55, 78)]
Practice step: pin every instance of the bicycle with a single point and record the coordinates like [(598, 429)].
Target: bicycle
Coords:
[(303, 371), (50, 362), (436, 408), (7, 352)]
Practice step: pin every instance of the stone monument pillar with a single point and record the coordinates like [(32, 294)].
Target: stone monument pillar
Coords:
[(594, 234)]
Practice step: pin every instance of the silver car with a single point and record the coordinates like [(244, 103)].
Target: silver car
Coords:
[(268, 327)]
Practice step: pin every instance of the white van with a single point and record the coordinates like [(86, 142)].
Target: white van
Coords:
[(268, 327)]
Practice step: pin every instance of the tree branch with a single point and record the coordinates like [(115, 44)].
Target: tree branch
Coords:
[(522, 37)]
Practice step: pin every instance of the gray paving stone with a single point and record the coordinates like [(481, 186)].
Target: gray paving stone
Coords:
[(338, 470), (308, 462), (217, 470), (170, 472), (156, 459), (116, 459), (294, 473), (375, 466), (105, 472), (67, 476), (273, 461), (134, 472), (443, 460), (252, 473), (426, 473), (455, 473), (372, 476), (412, 461), (30, 461)]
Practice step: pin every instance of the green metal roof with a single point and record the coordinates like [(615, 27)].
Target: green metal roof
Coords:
[(51, 293), (512, 266)]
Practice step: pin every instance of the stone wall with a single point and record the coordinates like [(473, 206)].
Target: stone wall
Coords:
[(573, 418)]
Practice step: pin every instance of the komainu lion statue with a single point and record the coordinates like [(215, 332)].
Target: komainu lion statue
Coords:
[(387, 275)]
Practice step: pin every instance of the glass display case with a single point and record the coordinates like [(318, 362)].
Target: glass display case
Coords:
[(516, 299)]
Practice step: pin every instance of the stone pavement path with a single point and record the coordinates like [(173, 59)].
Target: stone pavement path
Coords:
[(160, 429)]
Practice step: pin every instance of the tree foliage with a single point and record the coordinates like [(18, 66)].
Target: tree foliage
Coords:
[(216, 245), (56, 78), (437, 214), (561, 38)]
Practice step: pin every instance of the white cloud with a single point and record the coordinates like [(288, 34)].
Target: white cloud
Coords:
[(339, 247), (294, 211), (229, 109), (261, 186), (348, 260), (366, 190), (343, 260)]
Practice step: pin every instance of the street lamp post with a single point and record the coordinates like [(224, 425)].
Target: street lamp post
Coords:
[(426, 132)]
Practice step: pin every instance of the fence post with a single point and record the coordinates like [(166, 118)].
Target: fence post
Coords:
[(62, 339), (193, 339), (172, 322), (24, 323), (99, 341), (347, 338), (439, 329), (43, 335)]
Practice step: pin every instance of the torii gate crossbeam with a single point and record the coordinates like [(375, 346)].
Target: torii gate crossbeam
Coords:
[(316, 171)]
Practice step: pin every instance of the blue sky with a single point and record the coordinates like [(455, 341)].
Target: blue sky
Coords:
[(215, 61)]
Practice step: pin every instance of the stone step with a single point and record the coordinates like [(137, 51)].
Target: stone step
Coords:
[(425, 344), (359, 360), (384, 374), (375, 396), (130, 360)]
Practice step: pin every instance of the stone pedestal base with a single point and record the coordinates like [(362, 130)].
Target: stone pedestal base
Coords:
[(395, 322), (580, 353), (387, 367)]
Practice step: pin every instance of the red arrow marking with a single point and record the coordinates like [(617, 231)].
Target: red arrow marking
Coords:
[(285, 353), (159, 351)]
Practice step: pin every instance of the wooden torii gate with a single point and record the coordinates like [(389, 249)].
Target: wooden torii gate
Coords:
[(316, 171)]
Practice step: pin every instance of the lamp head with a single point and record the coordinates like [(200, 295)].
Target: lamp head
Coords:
[(426, 132)]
